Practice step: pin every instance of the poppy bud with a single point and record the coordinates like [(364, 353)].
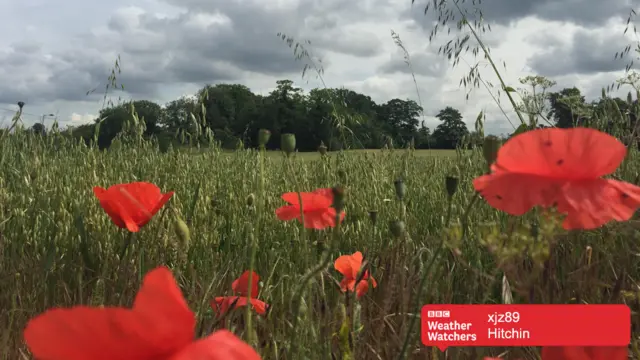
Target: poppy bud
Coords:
[(250, 200), (338, 198), (401, 189), (373, 215), (322, 149), (20, 104), (490, 149), (451, 183), (288, 143), (263, 137), (182, 231), (397, 228)]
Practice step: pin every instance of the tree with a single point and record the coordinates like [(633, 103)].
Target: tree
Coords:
[(401, 119), (39, 129), (112, 119), (177, 114), (450, 133), (567, 107)]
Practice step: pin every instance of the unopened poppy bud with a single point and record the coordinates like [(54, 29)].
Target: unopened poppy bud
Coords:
[(338, 198), (250, 200), (288, 143), (20, 104), (397, 228), (322, 149), (451, 183), (263, 137), (182, 231), (401, 189), (373, 215), (490, 149)]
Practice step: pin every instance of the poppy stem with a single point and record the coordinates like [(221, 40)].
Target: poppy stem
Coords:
[(423, 281), (297, 298), (125, 246)]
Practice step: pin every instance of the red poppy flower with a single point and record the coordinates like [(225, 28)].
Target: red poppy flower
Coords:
[(561, 168), (349, 266), (160, 325), (316, 206), (132, 205), (585, 353), (240, 287)]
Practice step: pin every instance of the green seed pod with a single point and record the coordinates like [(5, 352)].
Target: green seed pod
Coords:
[(451, 183), (338, 198), (401, 189), (322, 149), (373, 216), (250, 200), (263, 137), (288, 143), (490, 149), (397, 228)]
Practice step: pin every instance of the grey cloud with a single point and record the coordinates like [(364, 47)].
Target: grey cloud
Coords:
[(425, 64), (587, 54), (157, 51), (584, 12)]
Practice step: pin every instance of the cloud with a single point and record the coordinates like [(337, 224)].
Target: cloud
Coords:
[(588, 51), (168, 48)]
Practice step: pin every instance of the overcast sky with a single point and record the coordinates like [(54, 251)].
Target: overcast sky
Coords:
[(53, 52)]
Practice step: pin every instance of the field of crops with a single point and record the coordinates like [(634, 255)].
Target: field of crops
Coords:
[(58, 247)]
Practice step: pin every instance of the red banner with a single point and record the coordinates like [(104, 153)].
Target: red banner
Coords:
[(525, 325)]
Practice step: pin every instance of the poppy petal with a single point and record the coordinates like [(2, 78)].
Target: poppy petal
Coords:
[(561, 153), (347, 284), (221, 305), (132, 205), (288, 212), (259, 306), (516, 193), (343, 265), (106, 205), (87, 333), (241, 285), (585, 353), (162, 308), (591, 204), (221, 345), (362, 288), (163, 200), (310, 200)]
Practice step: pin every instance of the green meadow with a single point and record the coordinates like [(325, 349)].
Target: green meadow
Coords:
[(59, 248)]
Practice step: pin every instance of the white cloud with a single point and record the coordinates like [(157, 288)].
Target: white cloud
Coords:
[(170, 48)]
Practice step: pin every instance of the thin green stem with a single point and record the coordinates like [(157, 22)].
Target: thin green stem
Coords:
[(297, 297)]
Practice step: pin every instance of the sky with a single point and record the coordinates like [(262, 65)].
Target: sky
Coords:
[(56, 56)]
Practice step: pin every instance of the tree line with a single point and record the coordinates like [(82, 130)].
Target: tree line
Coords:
[(338, 118)]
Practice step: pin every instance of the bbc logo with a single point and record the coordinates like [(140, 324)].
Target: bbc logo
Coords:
[(438, 314)]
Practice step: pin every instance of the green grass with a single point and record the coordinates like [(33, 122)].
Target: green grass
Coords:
[(316, 155), (59, 248)]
